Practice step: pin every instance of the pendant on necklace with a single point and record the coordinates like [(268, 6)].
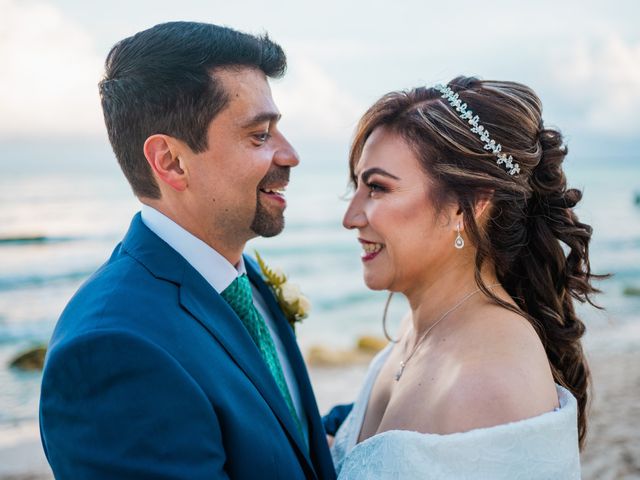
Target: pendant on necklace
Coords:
[(401, 371)]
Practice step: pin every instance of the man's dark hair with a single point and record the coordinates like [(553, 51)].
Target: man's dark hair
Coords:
[(161, 80)]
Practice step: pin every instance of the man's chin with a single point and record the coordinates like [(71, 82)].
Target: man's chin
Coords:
[(267, 227)]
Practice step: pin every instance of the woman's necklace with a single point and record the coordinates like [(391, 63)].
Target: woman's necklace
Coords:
[(404, 362)]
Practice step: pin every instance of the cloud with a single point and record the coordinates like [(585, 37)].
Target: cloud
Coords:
[(49, 72), (314, 106), (52, 53), (602, 81)]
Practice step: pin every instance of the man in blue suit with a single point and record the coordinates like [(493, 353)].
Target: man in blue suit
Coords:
[(174, 360)]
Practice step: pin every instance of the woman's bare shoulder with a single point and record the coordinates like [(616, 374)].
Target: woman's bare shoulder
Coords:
[(488, 370), (500, 373)]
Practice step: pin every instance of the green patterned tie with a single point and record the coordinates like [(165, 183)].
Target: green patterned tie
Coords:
[(238, 295)]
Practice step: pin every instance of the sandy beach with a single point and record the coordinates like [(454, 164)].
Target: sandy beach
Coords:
[(612, 451), (613, 442)]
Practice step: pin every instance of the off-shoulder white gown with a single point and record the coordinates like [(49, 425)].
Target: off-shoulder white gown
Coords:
[(543, 447)]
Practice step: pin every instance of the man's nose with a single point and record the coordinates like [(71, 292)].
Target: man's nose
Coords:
[(285, 155)]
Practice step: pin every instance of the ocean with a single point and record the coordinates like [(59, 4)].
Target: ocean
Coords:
[(72, 194)]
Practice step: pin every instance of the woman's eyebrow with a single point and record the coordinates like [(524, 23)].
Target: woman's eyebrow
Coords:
[(376, 170)]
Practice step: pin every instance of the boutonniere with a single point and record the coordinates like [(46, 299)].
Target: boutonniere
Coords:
[(293, 303)]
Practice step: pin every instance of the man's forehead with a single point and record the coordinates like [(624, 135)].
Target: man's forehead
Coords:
[(235, 79), (249, 95)]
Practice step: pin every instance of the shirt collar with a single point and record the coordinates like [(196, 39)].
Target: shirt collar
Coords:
[(215, 269)]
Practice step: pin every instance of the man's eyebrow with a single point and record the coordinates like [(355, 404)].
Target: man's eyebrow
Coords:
[(262, 118), (377, 170)]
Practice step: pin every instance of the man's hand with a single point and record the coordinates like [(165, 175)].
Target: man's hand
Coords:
[(334, 418)]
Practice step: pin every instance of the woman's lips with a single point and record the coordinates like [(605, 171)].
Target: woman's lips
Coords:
[(366, 257), (371, 249)]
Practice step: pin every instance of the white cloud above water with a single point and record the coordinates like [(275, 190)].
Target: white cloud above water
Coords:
[(313, 104), (601, 80), (49, 70), (48, 73), (582, 57)]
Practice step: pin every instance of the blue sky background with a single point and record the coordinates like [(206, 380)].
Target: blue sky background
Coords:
[(582, 57)]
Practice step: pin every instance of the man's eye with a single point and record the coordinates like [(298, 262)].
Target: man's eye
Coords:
[(262, 137)]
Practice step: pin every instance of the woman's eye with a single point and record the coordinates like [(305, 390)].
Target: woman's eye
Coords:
[(375, 188)]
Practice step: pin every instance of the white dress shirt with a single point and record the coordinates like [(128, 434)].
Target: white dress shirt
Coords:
[(219, 273)]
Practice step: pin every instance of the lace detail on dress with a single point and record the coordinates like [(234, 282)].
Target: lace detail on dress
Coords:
[(347, 435)]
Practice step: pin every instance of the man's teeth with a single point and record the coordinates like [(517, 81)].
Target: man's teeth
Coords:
[(279, 191), (372, 247)]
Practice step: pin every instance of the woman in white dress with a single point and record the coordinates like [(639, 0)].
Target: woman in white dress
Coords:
[(462, 206)]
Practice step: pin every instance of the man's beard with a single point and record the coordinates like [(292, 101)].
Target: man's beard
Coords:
[(266, 223)]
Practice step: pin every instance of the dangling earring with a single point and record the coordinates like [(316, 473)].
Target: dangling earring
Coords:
[(384, 320), (459, 243)]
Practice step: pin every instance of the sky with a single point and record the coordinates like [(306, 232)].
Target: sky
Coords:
[(581, 57)]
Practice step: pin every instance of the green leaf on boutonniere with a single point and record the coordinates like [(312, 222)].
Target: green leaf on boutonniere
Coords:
[(292, 302)]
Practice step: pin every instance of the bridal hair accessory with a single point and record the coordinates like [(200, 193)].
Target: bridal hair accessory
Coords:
[(404, 362), (489, 144), (459, 242)]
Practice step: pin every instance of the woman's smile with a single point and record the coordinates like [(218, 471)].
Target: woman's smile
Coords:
[(370, 249)]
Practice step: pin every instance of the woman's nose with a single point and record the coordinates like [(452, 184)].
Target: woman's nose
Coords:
[(354, 217)]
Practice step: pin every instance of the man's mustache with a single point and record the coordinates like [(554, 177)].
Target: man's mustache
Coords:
[(276, 176)]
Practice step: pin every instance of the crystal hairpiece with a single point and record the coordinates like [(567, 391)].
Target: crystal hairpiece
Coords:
[(489, 144)]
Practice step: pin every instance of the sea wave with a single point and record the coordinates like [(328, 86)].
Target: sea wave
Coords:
[(34, 239), (20, 282)]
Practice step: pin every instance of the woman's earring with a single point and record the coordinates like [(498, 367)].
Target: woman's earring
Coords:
[(459, 243), (384, 320)]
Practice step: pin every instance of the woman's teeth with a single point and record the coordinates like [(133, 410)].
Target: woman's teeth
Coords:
[(370, 248)]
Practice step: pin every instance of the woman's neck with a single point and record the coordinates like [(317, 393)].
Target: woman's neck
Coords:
[(430, 300)]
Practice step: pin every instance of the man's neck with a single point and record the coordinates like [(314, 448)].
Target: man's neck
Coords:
[(230, 250)]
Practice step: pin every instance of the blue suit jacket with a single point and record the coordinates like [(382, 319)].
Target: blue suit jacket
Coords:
[(151, 375)]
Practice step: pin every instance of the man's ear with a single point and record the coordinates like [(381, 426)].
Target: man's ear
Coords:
[(161, 154)]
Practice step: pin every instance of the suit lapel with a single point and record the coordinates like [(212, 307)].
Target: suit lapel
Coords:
[(285, 332), (219, 319)]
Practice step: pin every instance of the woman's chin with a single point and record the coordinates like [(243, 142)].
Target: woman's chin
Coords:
[(375, 282)]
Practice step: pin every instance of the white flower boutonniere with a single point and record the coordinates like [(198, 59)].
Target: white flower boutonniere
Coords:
[(293, 303)]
